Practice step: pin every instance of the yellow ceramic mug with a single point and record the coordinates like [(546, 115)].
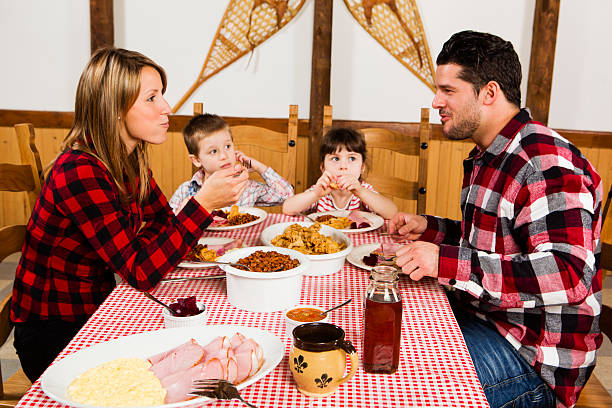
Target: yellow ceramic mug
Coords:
[(318, 358)]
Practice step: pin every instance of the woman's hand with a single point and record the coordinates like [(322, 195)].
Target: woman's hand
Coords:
[(409, 226), (223, 188)]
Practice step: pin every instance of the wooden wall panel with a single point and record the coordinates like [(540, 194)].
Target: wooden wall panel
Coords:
[(171, 166)]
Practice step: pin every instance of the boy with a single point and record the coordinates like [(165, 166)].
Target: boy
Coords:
[(211, 148)]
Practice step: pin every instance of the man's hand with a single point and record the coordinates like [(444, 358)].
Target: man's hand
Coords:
[(418, 259), (409, 226), (223, 187)]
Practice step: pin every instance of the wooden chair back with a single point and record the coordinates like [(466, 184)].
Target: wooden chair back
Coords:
[(273, 148), (382, 143), (594, 394), (30, 162), (24, 177)]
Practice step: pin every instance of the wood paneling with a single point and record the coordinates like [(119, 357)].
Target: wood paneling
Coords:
[(542, 61), (171, 166), (319, 81), (101, 24)]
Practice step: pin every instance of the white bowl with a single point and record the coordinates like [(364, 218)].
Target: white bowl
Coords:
[(320, 265), (171, 321), (263, 291), (291, 324)]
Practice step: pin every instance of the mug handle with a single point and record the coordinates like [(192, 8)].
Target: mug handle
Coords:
[(354, 361)]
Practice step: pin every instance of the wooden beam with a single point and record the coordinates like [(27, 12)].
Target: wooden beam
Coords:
[(319, 82), (101, 25), (542, 61)]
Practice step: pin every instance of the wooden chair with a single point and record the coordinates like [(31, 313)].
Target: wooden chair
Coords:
[(271, 147), (594, 394), (383, 146), (23, 177)]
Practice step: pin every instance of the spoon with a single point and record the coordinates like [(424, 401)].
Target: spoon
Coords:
[(222, 263), (336, 307), (153, 298)]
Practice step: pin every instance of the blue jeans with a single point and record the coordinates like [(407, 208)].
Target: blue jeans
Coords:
[(506, 378)]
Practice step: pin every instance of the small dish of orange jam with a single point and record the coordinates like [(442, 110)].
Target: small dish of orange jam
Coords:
[(301, 314), (305, 314)]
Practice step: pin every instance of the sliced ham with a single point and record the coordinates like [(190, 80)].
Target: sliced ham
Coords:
[(246, 362), (230, 369), (180, 359), (159, 357), (236, 340), (218, 343), (227, 352), (249, 357), (213, 368), (223, 248), (233, 358), (219, 220), (359, 220), (389, 249)]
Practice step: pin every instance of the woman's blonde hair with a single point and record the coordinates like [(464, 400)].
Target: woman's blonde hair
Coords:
[(108, 88)]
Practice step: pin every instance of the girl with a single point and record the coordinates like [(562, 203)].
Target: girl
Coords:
[(343, 156), (100, 211)]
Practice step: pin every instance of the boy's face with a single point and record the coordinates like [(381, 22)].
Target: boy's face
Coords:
[(216, 152)]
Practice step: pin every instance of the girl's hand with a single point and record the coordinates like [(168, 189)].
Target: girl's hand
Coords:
[(349, 182), (249, 161), (323, 185)]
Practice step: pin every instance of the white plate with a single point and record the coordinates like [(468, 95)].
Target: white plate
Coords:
[(357, 254), (376, 221), (258, 212), (205, 241), (56, 379)]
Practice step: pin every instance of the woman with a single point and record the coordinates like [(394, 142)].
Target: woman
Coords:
[(100, 211)]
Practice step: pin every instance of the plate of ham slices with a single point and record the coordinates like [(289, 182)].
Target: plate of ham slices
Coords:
[(375, 254), (178, 356), (349, 221), (222, 223), (206, 246)]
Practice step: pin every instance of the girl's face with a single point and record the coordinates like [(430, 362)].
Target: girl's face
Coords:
[(147, 118), (343, 162), (216, 152)]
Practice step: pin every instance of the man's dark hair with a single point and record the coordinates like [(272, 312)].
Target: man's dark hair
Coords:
[(199, 127), (484, 57)]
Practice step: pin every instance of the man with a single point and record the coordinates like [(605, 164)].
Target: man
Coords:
[(523, 264)]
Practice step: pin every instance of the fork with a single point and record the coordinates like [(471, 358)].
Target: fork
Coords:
[(217, 388)]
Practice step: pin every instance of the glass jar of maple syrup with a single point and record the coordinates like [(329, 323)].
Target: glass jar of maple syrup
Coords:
[(382, 321)]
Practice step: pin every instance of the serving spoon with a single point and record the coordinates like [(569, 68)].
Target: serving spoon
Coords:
[(336, 307), (153, 298)]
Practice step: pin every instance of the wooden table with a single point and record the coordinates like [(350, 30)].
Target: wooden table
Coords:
[(435, 366)]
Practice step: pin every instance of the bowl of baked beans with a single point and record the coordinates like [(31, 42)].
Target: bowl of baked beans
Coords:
[(272, 282)]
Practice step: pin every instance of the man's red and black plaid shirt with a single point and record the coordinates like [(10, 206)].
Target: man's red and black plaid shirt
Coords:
[(81, 234), (526, 254)]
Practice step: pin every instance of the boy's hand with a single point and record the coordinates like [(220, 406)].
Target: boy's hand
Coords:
[(223, 188), (249, 163)]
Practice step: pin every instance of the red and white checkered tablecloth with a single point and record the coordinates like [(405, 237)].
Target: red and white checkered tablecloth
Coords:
[(435, 367)]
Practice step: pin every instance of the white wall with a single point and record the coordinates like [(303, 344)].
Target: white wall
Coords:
[(45, 45)]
